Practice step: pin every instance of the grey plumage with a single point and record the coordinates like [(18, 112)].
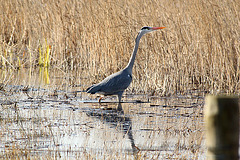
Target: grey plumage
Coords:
[(116, 83)]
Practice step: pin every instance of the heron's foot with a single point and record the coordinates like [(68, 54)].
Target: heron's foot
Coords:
[(99, 101), (136, 149)]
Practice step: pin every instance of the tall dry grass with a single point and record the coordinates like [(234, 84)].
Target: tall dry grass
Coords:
[(199, 49)]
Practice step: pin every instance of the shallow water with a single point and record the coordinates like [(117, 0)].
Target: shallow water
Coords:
[(39, 121)]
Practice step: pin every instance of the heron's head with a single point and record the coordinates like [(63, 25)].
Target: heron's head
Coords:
[(150, 29)]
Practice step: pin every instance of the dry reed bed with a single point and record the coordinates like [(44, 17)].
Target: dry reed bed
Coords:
[(199, 49)]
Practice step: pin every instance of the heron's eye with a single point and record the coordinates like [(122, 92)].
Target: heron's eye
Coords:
[(145, 28)]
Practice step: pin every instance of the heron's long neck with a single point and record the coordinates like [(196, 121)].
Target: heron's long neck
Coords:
[(132, 59)]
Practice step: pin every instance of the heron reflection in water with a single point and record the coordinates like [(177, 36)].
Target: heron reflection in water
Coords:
[(117, 118)]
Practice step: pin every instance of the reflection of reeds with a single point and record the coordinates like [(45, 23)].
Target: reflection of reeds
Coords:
[(199, 49), (44, 75), (36, 124), (44, 62)]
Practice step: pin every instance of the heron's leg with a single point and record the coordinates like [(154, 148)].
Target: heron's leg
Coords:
[(99, 101), (119, 108), (120, 96)]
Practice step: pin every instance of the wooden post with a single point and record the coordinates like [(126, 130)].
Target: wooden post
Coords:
[(222, 127)]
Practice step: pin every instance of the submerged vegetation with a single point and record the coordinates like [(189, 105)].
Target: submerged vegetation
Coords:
[(199, 49)]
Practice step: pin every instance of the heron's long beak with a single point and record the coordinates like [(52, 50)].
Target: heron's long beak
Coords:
[(156, 28)]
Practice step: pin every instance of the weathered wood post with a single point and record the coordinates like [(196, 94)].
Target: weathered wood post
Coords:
[(222, 127)]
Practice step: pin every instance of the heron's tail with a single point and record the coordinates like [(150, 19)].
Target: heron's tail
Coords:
[(93, 89)]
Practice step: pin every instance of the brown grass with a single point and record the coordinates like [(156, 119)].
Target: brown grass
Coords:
[(199, 49)]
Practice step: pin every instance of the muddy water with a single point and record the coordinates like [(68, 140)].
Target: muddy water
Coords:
[(46, 118)]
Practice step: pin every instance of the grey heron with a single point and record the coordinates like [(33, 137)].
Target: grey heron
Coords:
[(116, 83)]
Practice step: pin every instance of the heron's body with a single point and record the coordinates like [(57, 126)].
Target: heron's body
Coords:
[(116, 83), (110, 85)]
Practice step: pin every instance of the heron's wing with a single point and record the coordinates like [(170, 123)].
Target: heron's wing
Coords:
[(116, 82)]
